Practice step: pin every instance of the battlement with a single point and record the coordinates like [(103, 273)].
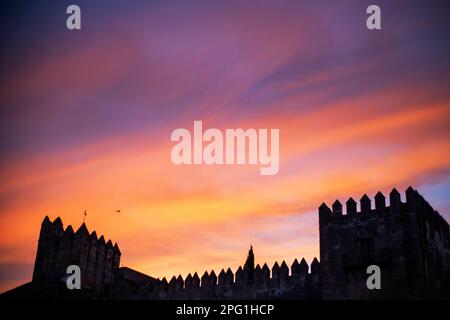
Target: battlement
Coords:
[(365, 205), (414, 201), (56, 228)]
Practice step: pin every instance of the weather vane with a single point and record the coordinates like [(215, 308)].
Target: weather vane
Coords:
[(84, 215)]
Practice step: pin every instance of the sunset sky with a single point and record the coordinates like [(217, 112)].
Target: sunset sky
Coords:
[(86, 119)]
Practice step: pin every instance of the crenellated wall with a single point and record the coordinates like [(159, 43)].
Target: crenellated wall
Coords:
[(279, 282)]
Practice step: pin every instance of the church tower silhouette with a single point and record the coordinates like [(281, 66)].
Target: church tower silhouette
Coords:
[(249, 266)]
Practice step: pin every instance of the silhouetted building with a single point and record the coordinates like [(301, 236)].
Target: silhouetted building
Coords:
[(58, 248), (409, 241)]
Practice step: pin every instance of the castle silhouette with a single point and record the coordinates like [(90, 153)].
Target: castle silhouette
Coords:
[(409, 241)]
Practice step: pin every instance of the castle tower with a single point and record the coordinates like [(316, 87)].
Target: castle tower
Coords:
[(409, 241), (59, 248)]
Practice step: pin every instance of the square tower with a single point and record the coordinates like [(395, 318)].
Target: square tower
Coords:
[(409, 241)]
